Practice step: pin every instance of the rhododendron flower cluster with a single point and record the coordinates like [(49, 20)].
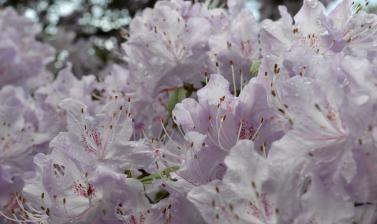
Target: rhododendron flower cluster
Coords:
[(216, 118)]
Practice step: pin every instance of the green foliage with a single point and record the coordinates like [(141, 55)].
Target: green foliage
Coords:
[(175, 97), (160, 195), (159, 175), (254, 68)]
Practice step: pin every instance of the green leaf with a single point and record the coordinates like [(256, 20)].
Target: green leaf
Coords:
[(155, 176), (128, 173), (254, 68), (176, 97), (160, 195)]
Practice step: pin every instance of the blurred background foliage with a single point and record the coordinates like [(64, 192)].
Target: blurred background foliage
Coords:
[(88, 33)]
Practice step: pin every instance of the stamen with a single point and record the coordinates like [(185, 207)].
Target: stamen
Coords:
[(166, 133), (258, 129), (241, 81), (234, 79)]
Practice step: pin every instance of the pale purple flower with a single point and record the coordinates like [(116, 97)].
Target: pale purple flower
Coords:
[(328, 107), (304, 28), (103, 137), (255, 190), (224, 118), (19, 129), (167, 46), (343, 30), (22, 57), (215, 123), (20, 139), (164, 139), (351, 29), (236, 47), (62, 190), (66, 85), (145, 110)]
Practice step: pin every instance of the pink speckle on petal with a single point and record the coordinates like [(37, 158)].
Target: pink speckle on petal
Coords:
[(95, 136), (247, 131), (84, 190), (266, 205), (253, 210), (331, 115)]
